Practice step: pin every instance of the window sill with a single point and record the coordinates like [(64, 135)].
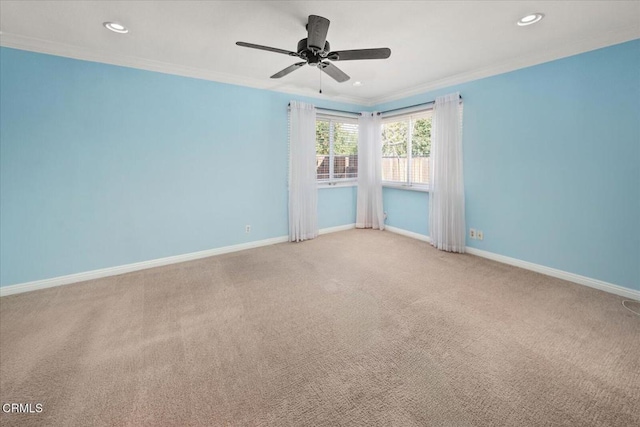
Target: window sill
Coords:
[(400, 186), (334, 184), (354, 183)]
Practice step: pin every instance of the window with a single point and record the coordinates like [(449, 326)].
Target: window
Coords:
[(336, 149), (406, 147)]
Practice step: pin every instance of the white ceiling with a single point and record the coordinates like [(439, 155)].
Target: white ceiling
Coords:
[(433, 43)]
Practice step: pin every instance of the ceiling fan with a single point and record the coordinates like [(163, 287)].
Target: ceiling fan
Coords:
[(315, 50)]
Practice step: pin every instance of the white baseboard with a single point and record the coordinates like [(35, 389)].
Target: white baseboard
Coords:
[(407, 233), (553, 272), (127, 268), (560, 274), (334, 229)]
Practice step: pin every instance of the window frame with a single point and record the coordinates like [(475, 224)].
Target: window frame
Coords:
[(332, 181), (410, 115)]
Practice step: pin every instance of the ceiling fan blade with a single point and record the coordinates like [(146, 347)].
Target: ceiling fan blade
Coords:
[(349, 55), (317, 28), (334, 72), (287, 70), (267, 48)]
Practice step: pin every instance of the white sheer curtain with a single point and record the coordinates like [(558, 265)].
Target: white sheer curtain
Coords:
[(369, 212), (446, 187), (303, 192)]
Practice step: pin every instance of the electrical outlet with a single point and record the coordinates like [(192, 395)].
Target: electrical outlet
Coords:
[(472, 233), (247, 229), (480, 235), (385, 216)]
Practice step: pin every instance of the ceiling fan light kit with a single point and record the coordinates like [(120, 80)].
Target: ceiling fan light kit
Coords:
[(315, 50)]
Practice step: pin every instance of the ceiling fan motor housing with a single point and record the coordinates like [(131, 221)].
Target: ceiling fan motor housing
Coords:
[(313, 58)]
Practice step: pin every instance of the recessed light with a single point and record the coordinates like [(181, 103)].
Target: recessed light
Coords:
[(530, 19), (357, 83), (115, 27)]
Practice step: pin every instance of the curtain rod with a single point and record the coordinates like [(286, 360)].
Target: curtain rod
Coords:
[(339, 111), (410, 106), (333, 109), (381, 112)]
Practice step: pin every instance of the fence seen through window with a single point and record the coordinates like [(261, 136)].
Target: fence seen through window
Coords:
[(406, 148), (336, 149)]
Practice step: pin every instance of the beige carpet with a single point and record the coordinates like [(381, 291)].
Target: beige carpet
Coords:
[(358, 328)]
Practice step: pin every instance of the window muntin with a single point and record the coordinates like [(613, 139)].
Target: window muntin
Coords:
[(336, 149), (395, 141), (323, 145), (406, 148)]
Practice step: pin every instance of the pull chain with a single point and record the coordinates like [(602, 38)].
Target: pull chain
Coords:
[(320, 71)]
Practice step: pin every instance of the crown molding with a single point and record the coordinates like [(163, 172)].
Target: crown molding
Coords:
[(32, 44), (619, 35)]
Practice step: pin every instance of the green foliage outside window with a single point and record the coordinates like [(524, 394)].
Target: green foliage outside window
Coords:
[(395, 137), (344, 141), (322, 138), (421, 139)]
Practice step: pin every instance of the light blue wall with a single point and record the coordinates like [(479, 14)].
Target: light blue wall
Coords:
[(337, 206), (551, 164), (103, 166), (406, 209)]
